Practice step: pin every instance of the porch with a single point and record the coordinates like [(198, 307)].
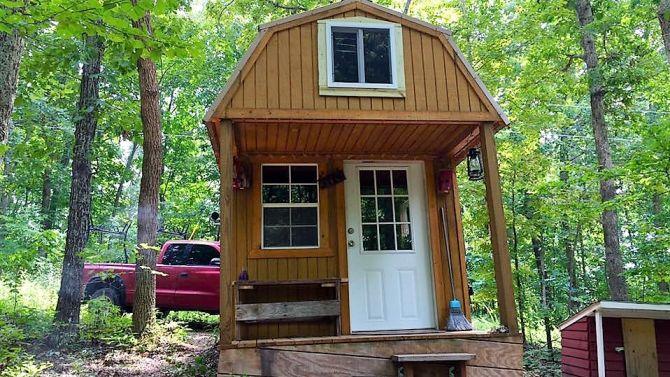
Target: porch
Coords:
[(474, 353)]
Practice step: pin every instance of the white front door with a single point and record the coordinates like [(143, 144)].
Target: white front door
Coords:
[(390, 279)]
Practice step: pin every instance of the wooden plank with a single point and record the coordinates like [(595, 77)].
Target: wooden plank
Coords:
[(639, 343), (343, 115), (282, 363), (452, 85), (227, 325), (272, 76), (472, 371), (295, 68), (498, 230), (441, 299), (308, 75), (409, 103), (417, 66), (284, 71), (440, 76), (261, 79), (432, 357)]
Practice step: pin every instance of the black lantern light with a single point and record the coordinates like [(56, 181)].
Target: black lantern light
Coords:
[(475, 167)]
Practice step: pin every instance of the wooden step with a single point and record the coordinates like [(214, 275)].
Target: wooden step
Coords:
[(432, 357)]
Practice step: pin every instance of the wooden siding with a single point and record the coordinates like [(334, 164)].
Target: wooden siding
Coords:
[(578, 342), (284, 75), (663, 347)]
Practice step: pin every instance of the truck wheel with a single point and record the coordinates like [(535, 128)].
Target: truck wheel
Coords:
[(109, 293)]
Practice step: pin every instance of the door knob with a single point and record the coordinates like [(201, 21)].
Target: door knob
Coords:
[(351, 243)]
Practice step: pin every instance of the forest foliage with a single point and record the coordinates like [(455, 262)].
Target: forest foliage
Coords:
[(527, 52)]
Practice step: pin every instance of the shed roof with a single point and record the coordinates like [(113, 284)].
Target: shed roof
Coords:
[(617, 309), (268, 29)]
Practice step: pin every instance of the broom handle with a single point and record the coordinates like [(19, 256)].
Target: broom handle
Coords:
[(446, 242)]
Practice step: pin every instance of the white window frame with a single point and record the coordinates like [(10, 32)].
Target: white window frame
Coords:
[(330, 24), (291, 205)]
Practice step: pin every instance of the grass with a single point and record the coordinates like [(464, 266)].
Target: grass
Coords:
[(182, 344)]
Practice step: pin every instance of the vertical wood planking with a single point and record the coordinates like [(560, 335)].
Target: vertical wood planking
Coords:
[(417, 66), (440, 76), (441, 298), (429, 72), (272, 69), (284, 71), (295, 62), (261, 91), (639, 344), (250, 89), (452, 83), (408, 103), (308, 75)]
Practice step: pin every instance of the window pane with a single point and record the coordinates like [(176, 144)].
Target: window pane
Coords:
[(303, 193), (376, 47), (276, 216), (367, 182), (303, 216), (304, 236), (386, 237), (275, 193), (404, 235), (275, 174), (369, 237), (383, 182), (385, 210), (201, 255), (401, 209), (303, 174), (345, 56), (368, 210), (276, 236), (400, 182)]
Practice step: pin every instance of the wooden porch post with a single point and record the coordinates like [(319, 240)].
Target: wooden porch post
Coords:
[(227, 327), (498, 230)]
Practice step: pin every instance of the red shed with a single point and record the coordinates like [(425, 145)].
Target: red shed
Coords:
[(617, 339)]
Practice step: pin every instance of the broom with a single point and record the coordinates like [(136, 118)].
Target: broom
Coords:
[(457, 320)]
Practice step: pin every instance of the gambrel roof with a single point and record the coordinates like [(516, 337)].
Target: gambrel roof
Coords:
[(225, 99)]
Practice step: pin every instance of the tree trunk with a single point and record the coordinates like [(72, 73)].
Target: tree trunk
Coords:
[(11, 48), (45, 209), (69, 295), (144, 303), (613, 259), (122, 181), (538, 251), (664, 20)]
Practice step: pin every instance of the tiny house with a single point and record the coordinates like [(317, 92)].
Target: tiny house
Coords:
[(337, 138), (617, 339)]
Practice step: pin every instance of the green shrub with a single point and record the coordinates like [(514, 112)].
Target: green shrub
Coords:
[(103, 322)]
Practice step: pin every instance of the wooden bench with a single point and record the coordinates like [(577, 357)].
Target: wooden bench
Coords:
[(410, 364), (298, 311)]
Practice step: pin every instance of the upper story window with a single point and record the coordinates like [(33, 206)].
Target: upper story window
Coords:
[(290, 201), (360, 56)]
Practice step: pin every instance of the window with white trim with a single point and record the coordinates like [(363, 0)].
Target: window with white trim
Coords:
[(361, 55), (290, 201)]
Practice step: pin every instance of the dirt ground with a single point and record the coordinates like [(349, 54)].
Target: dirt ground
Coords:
[(195, 356)]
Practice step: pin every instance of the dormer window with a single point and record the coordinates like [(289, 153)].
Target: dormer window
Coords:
[(360, 57)]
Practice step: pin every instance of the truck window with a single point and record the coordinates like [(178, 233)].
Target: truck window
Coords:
[(176, 254), (201, 255)]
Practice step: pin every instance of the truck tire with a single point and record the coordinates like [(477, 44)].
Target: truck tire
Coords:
[(110, 293), (113, 289)]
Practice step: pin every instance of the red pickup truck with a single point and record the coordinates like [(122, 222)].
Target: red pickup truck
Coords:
[(188, 279)]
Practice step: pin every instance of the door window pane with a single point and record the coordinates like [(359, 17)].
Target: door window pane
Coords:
[(401, 209), (368, 210), (404, 237), (400, 182), (377, 55), (386, 237), (383, 182), (367, 182), (345, 55), (384, 209), (370, 238)]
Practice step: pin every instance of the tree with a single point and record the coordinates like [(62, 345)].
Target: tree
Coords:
[(69, 295), (616, 281), (144, 303), (11, 49), (664, 20)]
